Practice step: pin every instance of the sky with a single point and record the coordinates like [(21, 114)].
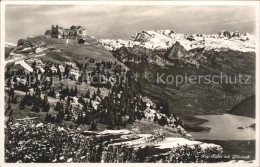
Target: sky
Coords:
[(121, 21)]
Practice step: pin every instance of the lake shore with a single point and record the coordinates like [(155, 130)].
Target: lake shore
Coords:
[(238, 149), (226, 127)]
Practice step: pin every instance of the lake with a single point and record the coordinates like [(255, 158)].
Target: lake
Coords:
[(225, 127)]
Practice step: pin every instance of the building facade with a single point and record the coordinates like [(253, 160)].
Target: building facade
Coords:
[(75, 32)]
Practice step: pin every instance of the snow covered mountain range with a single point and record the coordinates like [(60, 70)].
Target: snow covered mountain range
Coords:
[(10, 44), (164, 39), (166, 47)]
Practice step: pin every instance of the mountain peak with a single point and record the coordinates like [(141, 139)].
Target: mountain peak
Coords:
[(164, 39), (229, 34)]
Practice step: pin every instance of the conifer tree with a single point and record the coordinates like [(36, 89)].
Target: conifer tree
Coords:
[(15, 100), (45, 99), (8, 81), (57, 107), (76, 90), (71, 92), (6, 112), (94, 96), (155, 120), (11, 92), (11, 113), (9, 106), (9, 100), (47, 117), (37, 108), (47, 107), (67, 91), (90, 104), (93, 126), (68, 101), (80, 119), (98, 92), (60, 116), (111, 121), (67, 113), (33, 107), (59, 73), (22, 104), (87, 94)]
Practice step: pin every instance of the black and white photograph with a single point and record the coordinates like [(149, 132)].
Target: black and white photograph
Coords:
[(130, 82)]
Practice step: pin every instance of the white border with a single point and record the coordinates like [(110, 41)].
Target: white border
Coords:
[(80, 2), (3, 3), (2, 83), (257, 88)]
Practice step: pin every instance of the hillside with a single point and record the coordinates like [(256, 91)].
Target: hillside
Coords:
[(165, 52), (77, 99), (245, 108), (60, 51)]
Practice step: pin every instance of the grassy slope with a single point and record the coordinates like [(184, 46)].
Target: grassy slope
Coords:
[(73, 51), (69, 52)]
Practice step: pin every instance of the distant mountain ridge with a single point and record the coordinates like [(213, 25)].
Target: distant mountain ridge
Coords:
[(163, 39)]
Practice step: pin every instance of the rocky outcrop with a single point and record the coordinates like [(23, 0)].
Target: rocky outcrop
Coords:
[(142, 37), (139, 54), (180, 56), (145, 36), (229, 34), (47, 32), (25, 43)]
